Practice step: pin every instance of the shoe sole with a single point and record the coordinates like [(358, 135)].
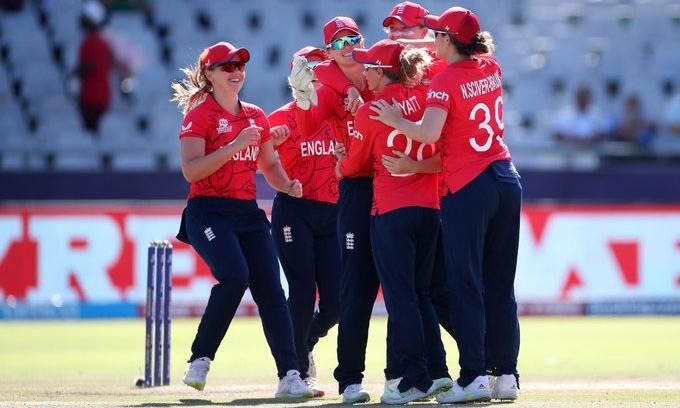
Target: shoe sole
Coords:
[(294, 397), (436, 392), (195, 385), (361, 400)]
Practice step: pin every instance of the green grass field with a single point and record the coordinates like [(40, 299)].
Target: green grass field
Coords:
[(564, 362)]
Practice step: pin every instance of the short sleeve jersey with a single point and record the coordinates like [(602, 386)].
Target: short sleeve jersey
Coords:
[(393, 191), (308, 159), (208, 121), (471, 93)]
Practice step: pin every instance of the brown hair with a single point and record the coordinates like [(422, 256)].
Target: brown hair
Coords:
[(482, 43), (412, 62), (188, 90)]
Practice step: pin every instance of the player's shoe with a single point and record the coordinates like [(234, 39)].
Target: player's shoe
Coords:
[(504, 387), (392, 395), (311, 369), (292, 386), (312, 384), (354, 394), (476, 391), (438, 385), (196, 373)]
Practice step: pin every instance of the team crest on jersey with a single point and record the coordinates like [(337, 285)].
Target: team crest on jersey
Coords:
[(349, 240), (223, 126), (287, 234)]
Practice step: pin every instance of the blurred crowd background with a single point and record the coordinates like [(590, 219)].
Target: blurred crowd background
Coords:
[(589, 85)]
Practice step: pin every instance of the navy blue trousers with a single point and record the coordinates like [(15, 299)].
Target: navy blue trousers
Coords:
[(440, 291), (305, 234), (358, 280), (232, 236), (404, 247), (480, 232)]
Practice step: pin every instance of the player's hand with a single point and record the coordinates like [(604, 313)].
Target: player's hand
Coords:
[(249, 136), (300, 81), (294, 188), (353, 100), (402, 164), (386, 113), (279, 134), (340, 150)]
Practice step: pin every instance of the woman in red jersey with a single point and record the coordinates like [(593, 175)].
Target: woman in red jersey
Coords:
[(480, 206), (405, 218), (358, 280), (304, 229), (223, 140)]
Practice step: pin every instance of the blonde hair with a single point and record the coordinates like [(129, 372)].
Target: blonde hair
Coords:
[(190, 89), (412, 63)]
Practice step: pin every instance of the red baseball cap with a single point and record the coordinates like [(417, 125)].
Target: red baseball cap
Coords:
[(336, 25), (220, 53), (309, 51), (408, 13), (460, 22), (383, 54)]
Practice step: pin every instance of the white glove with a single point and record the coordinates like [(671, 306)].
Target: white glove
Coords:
[(300, 81)]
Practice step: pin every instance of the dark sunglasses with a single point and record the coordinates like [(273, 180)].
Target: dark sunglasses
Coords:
[(231, 66), (342, 41)]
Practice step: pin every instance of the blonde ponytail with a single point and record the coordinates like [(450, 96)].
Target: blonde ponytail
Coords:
[(190, 89)]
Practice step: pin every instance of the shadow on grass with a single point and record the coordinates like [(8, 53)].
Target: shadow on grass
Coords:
[(260, 401)]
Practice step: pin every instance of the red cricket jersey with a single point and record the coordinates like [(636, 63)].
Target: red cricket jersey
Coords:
[(308, 159), (95, 53), (331, 109), (208, 121), (472, 138), (391, 191)]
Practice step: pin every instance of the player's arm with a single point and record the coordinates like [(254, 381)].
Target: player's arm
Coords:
[(330, 75), (427, 130), (271, 169), (310, 121), (401, 163)]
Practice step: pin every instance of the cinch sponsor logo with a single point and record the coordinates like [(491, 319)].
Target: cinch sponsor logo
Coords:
[(441, 95), (352, 132)]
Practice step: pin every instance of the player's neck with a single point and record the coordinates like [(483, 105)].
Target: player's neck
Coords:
[(228, 102), (355, 74)]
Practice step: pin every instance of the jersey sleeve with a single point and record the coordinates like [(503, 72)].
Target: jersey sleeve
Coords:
[(330, 75), (309, 121), (193, 125), (262, 121), (361, 149), (439, 95)]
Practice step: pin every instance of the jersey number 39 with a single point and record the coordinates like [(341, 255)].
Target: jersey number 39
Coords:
[(498, 106)]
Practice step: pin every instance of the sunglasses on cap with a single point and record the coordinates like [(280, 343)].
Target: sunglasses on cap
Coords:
[(341, 42), (230, 66)]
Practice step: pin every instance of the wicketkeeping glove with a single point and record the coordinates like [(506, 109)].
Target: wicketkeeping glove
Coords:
[(300, 81)]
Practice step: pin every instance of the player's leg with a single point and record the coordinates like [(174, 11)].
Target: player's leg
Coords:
[(294, 243)]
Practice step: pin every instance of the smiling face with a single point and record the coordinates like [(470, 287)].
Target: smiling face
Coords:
[(398, 30), (227, 78), (343, 56), (373, 76)]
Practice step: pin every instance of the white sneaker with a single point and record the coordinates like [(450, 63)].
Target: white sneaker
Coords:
[(476, 391), (355, 393), (311, 369), (392, 395), (292, 386), (438, 385), (312, 384), (504, 387), (196, 373)]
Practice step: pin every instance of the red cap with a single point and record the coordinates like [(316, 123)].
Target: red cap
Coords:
[(383, 54), (337, 24), (460, 22), (312, 51), (409, 14), (220, 53)]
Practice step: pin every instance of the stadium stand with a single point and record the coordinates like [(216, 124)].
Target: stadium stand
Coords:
[(547, 48)]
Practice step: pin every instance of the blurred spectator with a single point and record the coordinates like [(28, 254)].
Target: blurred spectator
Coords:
[(672, 115), (632, 125), (580, 124), (95, 63)]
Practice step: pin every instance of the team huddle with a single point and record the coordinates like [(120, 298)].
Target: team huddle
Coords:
[(391, 173)]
